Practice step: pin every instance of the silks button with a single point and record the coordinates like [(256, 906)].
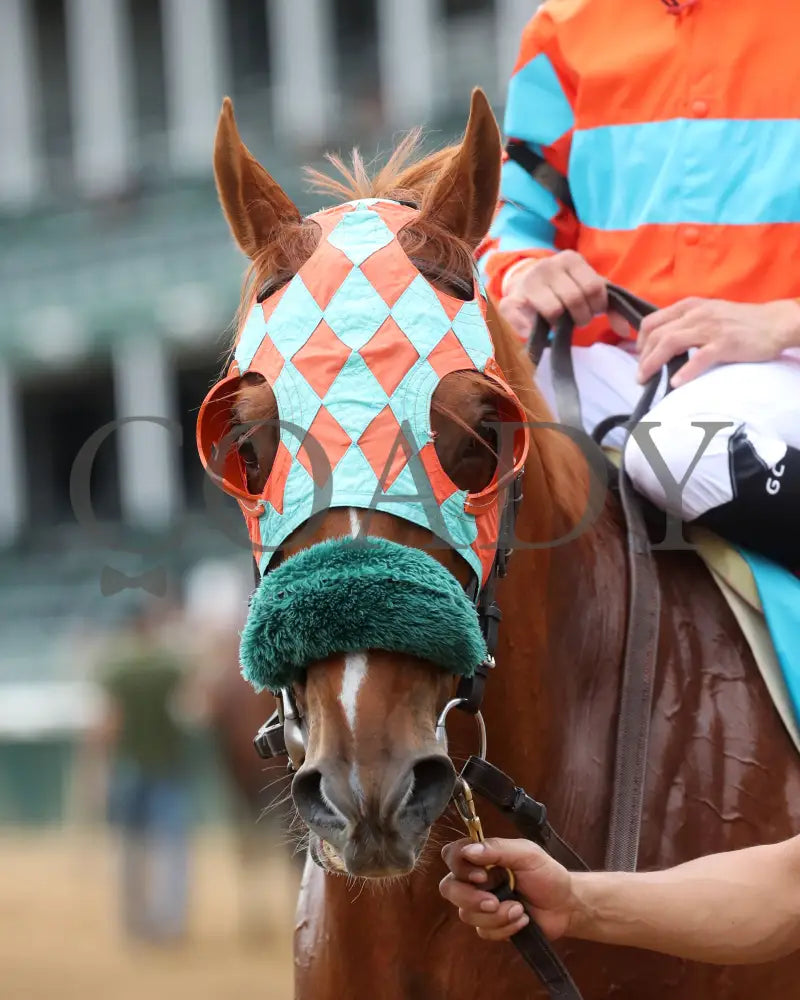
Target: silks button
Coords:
[(699, 109), (691, 235)]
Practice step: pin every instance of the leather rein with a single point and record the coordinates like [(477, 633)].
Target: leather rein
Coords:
[(283, 733)]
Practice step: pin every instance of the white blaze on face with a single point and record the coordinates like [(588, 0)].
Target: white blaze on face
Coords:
[(355, 670)]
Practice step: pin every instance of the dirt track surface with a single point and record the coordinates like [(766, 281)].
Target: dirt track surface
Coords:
[(60, 935)]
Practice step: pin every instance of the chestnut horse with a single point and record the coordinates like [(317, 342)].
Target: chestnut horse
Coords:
[(722, 773)]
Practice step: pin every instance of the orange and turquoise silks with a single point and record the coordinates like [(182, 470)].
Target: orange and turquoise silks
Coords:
[(678, 130)]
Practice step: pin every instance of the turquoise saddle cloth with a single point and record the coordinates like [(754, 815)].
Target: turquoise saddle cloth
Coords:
[(779, 591)]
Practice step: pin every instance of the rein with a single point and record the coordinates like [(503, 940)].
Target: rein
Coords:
[(284, 731)]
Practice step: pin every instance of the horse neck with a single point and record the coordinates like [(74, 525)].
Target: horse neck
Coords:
[(562, 637)]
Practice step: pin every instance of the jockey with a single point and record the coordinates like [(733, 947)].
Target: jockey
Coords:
[(654, 144)]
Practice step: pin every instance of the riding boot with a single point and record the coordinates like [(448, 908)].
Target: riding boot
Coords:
[(764, 514)]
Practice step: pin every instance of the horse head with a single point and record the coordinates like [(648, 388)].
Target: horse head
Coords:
[(382, 290)]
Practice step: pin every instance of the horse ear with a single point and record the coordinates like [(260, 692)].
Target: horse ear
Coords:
[(254, 204), (464, 197)]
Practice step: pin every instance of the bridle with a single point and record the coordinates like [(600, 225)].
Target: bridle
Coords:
[(284, 732)]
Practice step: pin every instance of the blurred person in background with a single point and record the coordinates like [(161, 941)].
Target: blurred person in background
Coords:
[(216, 601), (142, 731)]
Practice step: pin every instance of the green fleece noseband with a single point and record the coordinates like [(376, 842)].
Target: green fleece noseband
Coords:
[(344, 595)]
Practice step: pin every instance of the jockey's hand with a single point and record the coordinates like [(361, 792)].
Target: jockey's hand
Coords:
[(541, 881), (721, 331), (551, 286)]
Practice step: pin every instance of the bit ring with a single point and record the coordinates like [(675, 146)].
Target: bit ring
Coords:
[(441, 725)]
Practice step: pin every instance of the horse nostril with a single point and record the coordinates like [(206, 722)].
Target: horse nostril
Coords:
[(312, 805), (433, 779)]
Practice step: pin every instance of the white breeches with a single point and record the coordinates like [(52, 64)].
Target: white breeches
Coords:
[(762, 400)]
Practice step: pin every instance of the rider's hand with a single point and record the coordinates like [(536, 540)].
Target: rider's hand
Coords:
[(545, 886), (721, 331), (554, 285)]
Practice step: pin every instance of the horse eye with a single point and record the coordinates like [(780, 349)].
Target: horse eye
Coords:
[(474, 446), (248, 454), (485, 442)]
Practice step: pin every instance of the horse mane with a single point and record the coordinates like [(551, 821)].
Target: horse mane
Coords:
[(406, 176)]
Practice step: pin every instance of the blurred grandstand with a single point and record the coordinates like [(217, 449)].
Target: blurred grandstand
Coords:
[(118, 281)]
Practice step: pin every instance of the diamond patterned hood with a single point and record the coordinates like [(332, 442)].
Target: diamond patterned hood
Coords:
[(353, 349)]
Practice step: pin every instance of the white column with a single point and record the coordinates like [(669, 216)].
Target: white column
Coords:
[(301, 51), (148, 454), (512, 16), (20, 162), (98, 52), (195, 64), (12, 473), (407, 46)]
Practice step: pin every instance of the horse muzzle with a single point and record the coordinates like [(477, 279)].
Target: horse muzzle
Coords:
[(379, 834)]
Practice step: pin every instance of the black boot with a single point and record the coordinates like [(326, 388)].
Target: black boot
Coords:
[(764, 514)]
